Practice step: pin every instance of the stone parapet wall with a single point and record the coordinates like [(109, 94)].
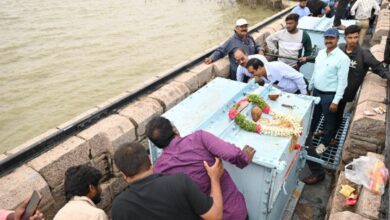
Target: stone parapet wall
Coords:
[(96, 144), (366, 135)]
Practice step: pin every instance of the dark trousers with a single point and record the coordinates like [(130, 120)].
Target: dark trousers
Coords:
[(332, 123), (340, 12), (331, 118)]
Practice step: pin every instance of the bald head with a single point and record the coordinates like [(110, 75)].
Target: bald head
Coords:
[(241, 56)]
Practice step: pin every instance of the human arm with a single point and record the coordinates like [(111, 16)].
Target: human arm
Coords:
[(270, 40), (224, 150), (258, 49), (375, 65), (215, 173), (241, 72), (220, 52), (295, 76), (354, 7), (376, 7), (342, 78)]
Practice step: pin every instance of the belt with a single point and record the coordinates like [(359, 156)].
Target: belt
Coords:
[(324, 93)]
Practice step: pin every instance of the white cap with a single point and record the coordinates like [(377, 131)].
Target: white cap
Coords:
[(241, 22)]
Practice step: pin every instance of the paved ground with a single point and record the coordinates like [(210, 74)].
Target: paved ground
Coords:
[(314, 199)]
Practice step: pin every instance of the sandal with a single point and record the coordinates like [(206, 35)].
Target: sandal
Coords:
[(320, 149)]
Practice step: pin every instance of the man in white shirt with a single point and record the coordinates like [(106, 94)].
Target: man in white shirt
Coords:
[(242, 59), (279, 74), (82, 190), (362, 12)]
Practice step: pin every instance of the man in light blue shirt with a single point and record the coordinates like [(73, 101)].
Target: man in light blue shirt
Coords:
[(329, 80), (301, 9), (242, 59), (279, 74)]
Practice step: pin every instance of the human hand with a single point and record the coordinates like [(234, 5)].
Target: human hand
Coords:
[(208, 60), (22, 208), (261, 52), (303, 59), (249, 151), (215, 171), (333, 107)]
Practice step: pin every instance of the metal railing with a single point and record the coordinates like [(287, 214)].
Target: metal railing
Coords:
[(37, 148)]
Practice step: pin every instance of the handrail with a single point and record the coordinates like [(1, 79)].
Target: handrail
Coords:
[(12, 161)]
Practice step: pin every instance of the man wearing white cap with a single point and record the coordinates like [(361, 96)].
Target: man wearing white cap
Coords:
[(240, 39)]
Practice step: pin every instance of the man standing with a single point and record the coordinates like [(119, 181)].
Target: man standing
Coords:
[(318, 8), (361, 60), (155, 196), (240, 39), (82, 190), (329, 80), (279, 74), (186, 155), (242, 59), (292, 42), (362, 12), (301, 9)]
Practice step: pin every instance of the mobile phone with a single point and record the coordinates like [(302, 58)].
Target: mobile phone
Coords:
[(32, 205)]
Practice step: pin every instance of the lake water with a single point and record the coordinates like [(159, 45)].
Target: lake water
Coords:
[(59, 58)]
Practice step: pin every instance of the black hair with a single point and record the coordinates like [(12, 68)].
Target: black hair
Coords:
[(239, 49), (79, 178), (132, 159), (255, 63), (292, 16), (351, 30), (160, 131)]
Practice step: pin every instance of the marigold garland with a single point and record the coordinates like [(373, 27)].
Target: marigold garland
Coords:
[(248, 125)]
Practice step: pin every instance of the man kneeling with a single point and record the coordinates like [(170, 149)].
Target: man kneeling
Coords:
[(154, 196)]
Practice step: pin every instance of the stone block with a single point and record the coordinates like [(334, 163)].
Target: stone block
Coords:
[(203, 72), (59, 196), (103, 163), (2, 157), (19, 185), (106, 197), (170, 94), (360, 147), (347, 215), (78, 118), (117, 185), (53, 163), (221, 68), (98, 144), (380, 31), (368, 204), (370, 91), (141, 112), (34, 140), (337, 203), (368, 128), (377, 48), (378, 55), (375, 79), (189, 79), (118, 129), (276, 26)]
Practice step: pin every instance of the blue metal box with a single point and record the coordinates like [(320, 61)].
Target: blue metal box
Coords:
[(271, 180)]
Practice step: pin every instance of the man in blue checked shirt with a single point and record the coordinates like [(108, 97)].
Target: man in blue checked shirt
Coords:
[(329, 80)]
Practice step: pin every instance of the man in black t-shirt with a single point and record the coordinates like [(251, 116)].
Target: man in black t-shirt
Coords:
[(318, 7), (154, 196)]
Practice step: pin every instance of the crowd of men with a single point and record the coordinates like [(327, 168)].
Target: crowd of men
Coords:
[(188, 180)]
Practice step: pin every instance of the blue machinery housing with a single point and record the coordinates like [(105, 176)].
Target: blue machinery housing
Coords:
[(270, 183)]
